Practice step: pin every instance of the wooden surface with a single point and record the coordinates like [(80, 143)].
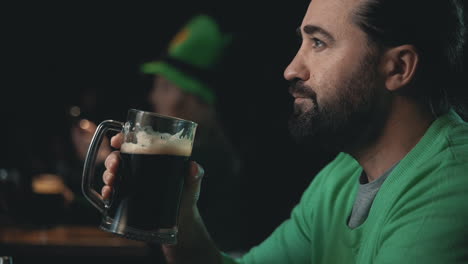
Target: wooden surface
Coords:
[(67, 241)]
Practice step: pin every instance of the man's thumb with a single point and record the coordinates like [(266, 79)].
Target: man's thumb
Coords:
[(193, 184)]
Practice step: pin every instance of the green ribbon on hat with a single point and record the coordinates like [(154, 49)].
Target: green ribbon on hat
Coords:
[(192, 56)]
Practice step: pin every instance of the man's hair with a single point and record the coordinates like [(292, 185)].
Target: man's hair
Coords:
[(437, 30)]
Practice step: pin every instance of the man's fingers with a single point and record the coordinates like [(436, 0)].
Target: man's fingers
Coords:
[(192, 186), (108, 178), (106, 192), (116, 141), (112, 162)]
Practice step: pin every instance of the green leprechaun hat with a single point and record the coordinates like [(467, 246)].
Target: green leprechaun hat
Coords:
[(192, 57)]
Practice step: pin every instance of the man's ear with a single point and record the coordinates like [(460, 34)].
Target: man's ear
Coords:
[(399, 66)]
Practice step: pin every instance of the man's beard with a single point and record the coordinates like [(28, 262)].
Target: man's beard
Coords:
[(349, 121)]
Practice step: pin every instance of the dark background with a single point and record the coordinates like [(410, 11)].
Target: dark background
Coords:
[(57, 52)]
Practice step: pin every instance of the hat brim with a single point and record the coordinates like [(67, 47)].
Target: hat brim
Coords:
[(185, 82)]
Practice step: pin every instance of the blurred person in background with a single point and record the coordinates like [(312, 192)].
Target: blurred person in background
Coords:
[(184, 86)]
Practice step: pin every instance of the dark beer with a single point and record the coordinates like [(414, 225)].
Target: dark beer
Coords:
[(148, 190), (148, 187)]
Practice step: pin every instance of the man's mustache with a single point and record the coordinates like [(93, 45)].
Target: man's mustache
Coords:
[(297, 88)]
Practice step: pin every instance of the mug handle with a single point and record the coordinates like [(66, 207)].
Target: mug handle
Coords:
[(88, 171)]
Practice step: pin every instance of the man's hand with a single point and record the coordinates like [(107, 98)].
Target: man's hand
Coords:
[(194, 241)]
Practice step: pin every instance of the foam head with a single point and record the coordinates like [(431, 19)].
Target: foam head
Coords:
[(152, 142)]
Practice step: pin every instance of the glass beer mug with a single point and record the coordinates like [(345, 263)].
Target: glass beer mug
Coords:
[(154, 162)]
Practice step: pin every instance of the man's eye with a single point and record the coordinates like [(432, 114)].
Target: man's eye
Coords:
[(317, 43)]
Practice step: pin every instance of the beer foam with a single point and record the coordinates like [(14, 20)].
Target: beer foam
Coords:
[(151, 142)]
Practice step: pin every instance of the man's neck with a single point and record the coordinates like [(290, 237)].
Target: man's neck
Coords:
[(406, 125)]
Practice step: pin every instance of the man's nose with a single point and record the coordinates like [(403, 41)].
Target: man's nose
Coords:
[(296, 69)]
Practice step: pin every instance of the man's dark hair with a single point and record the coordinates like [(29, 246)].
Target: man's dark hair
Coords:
[(437, 30)]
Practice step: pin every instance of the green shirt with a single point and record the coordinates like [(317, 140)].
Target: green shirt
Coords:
[(420, 214)]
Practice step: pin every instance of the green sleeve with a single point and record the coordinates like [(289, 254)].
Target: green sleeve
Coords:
[(229, 260), (430, 226), (291, 242)]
